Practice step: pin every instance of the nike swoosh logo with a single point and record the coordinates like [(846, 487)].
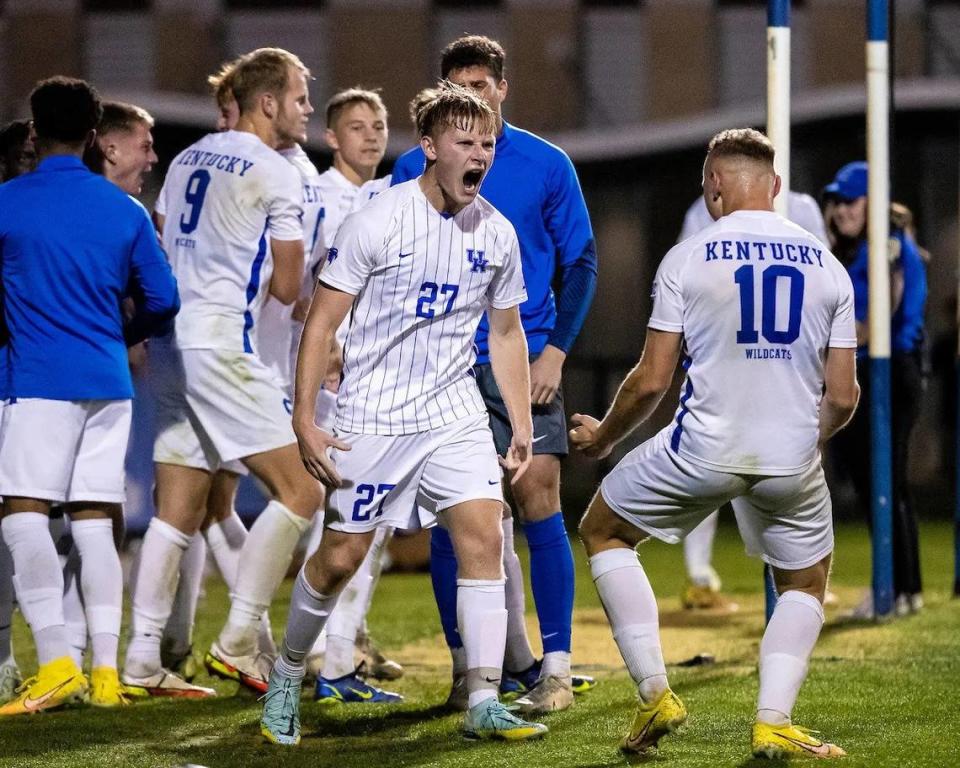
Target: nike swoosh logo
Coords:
[(362, 694), (290, 730), (493, 482), (404, 255), (494, 681), (538, 439), (33, 705), (552, 634), (638, 739), (816, 749)]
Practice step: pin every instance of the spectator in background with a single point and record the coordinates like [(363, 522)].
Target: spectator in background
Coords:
[(17, 153), (846, 218)]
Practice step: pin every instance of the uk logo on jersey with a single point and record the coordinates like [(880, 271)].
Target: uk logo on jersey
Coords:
[(476, 258), (331, 255)]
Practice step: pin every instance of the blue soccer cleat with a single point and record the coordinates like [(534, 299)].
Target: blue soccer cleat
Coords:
[(351, 689)]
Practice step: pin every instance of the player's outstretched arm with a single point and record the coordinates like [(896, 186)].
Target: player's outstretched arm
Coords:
[(287, 270), (327, 311), (511, 369), (841, 391), (636, 399)]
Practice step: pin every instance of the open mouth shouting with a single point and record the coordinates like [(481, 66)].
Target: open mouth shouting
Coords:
[(471, 181)]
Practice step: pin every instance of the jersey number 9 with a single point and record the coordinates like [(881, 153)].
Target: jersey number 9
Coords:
[(196, 190)]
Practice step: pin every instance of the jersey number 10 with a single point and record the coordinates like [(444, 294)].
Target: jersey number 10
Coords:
[(747, 334), (196, 190)]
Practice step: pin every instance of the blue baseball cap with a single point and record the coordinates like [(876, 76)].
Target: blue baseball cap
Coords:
[(849, 183)]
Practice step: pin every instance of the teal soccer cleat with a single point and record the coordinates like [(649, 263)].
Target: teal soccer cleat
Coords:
[(280, 721), (490, 719)]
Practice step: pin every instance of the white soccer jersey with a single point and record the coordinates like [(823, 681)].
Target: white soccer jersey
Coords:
[(758, 300), (422, 280), (276, 325), (223, 200), (802, 210)]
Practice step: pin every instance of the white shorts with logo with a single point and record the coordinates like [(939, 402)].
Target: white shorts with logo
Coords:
[(787, 521), (64, 450), (215, 407), (404, 481)]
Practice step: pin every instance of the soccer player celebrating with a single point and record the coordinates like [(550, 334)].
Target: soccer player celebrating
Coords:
[(766, 386), (123, 151), (231, 227), (534, 185), (419, 265), (64, 276)]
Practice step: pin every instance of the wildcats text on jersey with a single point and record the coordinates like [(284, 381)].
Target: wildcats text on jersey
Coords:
[(742, 250), (225, 163)]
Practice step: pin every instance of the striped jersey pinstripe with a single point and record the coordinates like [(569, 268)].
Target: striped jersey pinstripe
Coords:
[(422, 281)]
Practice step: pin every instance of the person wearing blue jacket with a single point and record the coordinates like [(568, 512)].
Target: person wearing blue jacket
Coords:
[(534, 184), (846, 199), (72, 246)]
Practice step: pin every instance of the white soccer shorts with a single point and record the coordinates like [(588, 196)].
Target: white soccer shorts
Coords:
[(215, 407), (64, 450), (404, 481), (786, 521)]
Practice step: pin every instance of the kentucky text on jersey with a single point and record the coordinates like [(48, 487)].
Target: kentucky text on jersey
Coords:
[(746, 250), (226, 163)]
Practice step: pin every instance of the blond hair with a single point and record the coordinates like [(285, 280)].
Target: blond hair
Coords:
[(265, 70), (221, 82), (452, 106), (350, 96), (742, 142)]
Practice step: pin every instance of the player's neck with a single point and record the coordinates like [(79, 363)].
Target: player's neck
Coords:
[(47, 149), (746, 203), (435, 195), (262, 129), (355, 176)]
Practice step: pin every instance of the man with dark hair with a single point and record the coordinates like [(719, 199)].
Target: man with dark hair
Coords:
[(71, 246), (17, 153), (785, 369), (123, 151), (534, 184)]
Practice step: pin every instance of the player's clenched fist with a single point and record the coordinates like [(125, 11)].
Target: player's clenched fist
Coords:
[(586, 438), (314, 446)]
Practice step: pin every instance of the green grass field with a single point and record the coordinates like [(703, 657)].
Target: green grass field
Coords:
[(889, 694)]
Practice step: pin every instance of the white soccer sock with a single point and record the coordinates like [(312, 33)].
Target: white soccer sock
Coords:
[(631, 607), (482, 621), (74, 615), (179, 628), (266, 557), (346, 620), (38, 581), (316, 533), (6, 604), (101, 581), (518, 656), (309, 611), (156, 584), (698, 553), (785, 652), (556, 663)]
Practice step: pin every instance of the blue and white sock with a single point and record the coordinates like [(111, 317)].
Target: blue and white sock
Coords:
[(552, 583)]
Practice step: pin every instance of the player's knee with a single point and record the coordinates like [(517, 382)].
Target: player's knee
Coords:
[(303, 498), (812, 580)]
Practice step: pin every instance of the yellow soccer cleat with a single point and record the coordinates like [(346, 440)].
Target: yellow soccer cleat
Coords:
[(785, 741), (56, 684), (653, 721), (106, 689)]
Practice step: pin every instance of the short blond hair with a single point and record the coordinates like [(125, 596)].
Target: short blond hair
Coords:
[(742, 142), (119, 116), (350, 96), (425, 95), (221, 82), (452, 106), (265, 70)]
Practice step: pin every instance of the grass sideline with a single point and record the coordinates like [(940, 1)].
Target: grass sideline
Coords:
[(887, 693)]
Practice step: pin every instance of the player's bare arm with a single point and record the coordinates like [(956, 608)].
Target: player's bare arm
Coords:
[(545, 373), (841, 391), (327, 311), (287, 270), (511, 369), (638, 396)]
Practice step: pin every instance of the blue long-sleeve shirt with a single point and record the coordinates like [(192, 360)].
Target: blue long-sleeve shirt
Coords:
[(906, 325), (72, 245), (534, 184)]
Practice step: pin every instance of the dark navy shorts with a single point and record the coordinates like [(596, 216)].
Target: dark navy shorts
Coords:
[(549, 421)]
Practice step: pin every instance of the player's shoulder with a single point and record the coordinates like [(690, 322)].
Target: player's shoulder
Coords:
[(535, 147), (382, 212), (301, 161), (489, 214)]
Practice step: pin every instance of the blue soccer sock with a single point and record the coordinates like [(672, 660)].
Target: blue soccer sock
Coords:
[(443, 574), (552, 581)]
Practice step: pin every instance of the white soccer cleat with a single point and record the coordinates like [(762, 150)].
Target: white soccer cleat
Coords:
[(163, 683)]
